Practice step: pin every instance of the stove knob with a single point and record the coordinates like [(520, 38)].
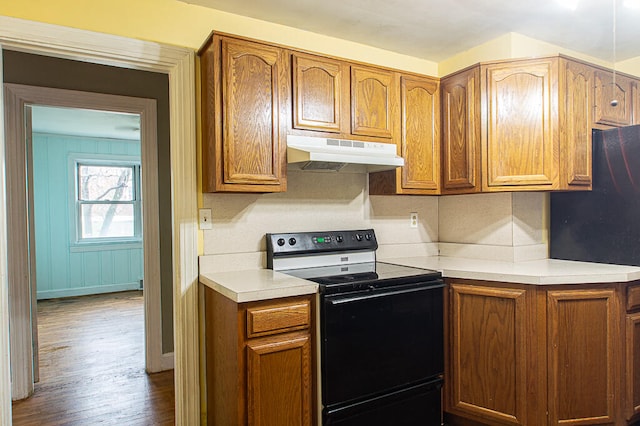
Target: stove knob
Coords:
[(280, 242), (358, 237), (339, 238), (292, 241), (367, 237)]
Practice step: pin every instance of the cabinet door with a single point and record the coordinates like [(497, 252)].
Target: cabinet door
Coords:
[(576, 125), (633, 366), (318, 93), (420, 134), (521, 146), (374, 95), (606, 92), (244, 94), (489, 354), (279, 381), (584, 356), (635, 102), (461, 132)]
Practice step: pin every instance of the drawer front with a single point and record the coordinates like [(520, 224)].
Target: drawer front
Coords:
[(265, 320), (633, 297)]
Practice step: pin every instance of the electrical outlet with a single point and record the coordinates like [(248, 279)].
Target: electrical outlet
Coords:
[(205, 219), (413, 220)]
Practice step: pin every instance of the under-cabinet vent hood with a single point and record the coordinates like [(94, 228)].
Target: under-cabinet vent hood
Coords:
[(326, 154)]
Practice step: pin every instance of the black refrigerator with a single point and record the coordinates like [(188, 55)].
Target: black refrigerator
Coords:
[(602, 225)]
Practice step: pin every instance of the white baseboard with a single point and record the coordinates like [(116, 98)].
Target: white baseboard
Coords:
[(167, 361), (84, 291)]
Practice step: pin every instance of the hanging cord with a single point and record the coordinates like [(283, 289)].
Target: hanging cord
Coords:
[(614, 101)]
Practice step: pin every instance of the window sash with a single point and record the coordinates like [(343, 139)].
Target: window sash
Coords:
[(135, 203)]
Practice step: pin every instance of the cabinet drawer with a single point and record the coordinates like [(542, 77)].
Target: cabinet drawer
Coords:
[(265, 320), (633, 297)]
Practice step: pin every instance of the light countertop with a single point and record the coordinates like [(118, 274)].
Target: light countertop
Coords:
[(538, 272), (257, 284), (263, 284)]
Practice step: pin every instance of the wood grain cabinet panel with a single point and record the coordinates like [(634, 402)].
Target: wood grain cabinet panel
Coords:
[(606, 91), (635, 102), (319, 97), (584, 349), (374, 96), (517, 125), (576, 122), (461, 132), (419, 144), (521, 146), (278, 381), (245, 93), (488, 351), (534, 355), (420, 134), (271, 319), (632, 375), (259, 381)]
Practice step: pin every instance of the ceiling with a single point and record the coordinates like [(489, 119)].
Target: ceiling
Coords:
[(439, 29), (85, 122)]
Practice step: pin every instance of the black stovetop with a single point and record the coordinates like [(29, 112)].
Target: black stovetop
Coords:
[(363, 275)]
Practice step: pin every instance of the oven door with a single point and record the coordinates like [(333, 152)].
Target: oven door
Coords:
[(377, 341)]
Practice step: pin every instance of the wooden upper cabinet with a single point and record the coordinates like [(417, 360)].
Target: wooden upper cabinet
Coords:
[(607, 91), (420, 100), (520, 148), (576, 123), (374, 96), (245, 93), (419, 144), (320, 93), (635, 102), (461, 132)]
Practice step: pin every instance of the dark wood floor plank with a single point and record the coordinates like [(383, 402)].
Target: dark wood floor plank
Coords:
[(92, 366)]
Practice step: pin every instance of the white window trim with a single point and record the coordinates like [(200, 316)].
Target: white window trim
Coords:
[(76, 242)]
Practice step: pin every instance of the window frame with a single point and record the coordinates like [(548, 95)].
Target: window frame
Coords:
[(78, 243)]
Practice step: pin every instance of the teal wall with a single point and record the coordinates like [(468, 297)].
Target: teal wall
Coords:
[(63, 269)]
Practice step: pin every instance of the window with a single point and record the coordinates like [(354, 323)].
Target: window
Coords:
[(108, 201)]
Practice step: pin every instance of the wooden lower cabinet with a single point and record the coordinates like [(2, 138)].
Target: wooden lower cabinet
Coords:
[(489, 353), (540, 355), (259, 361), (633, 367)]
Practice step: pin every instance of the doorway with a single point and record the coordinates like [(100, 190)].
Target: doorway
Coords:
[(19, 101), (178, 64)]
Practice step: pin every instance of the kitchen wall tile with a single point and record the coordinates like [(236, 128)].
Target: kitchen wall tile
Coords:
[(394, 251), (389, 216), (529, 218), (477, 251), (313, 201), (476, 219)]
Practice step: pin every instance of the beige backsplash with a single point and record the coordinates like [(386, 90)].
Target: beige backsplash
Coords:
[(505, 226)]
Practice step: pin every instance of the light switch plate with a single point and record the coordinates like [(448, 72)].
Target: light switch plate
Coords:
[(205, 219)]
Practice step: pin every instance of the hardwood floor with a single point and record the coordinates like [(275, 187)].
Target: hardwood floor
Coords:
[(92, 366)]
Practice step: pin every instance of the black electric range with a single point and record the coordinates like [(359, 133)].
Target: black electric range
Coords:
[(381, 328)]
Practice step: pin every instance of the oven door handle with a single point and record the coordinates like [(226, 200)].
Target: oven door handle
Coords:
[(339, 300)]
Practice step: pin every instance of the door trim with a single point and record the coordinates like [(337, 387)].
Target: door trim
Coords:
[(16, 98), (179, 64)]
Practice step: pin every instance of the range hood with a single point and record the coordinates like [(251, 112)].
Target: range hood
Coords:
[(327, 154)]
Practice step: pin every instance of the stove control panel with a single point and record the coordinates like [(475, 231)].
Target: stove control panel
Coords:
[(292, 244)]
